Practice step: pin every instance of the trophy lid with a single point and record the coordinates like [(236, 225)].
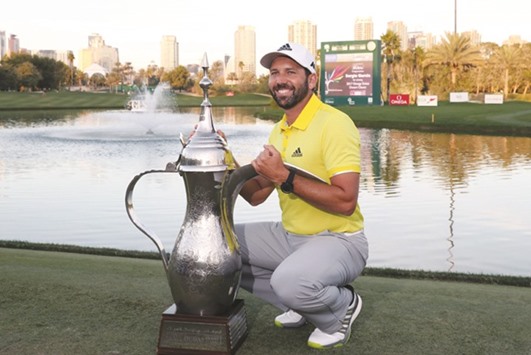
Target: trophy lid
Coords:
[(206, 150)]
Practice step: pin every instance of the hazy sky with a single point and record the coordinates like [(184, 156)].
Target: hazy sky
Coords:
[(136, 28)]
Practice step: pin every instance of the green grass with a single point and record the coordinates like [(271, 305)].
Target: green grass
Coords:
[(70, 303), (61, 100), (85, 100), (510, 118)]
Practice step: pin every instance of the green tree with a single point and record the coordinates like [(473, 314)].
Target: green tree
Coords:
[(53, 72), (8, 77), (455, 53), (241, 66), (409, 73), (177, 78), (391, 54), (216, 73), (262, 84), (507, 59), (27, 76), (248, 82), (526, 70), (114, 78), (71, 57), (97, 80)]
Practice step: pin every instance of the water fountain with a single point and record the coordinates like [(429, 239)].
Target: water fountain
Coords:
[(146, 104), (149, 101)]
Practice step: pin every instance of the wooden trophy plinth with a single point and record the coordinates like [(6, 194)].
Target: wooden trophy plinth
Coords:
[(193, 334)]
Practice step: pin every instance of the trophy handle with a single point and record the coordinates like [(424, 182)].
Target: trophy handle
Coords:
[(136, 221)]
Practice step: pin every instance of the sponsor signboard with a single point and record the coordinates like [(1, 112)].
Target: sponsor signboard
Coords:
[(493, 98), (351, 72), (399, 99), (427, 100), (459, 97)]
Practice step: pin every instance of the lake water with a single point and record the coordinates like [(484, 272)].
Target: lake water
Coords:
[(439, 202)]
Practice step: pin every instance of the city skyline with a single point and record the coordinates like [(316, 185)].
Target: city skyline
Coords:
[(199, 29)]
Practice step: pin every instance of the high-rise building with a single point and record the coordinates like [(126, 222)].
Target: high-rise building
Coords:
[(13, 45), (3, 44), (244, 50), (63, 57), (305, 33), (421, 39), (514, 40), (363, 29), (46, 53), (98, 53), (474, 36), (169, 53), (400, 29)]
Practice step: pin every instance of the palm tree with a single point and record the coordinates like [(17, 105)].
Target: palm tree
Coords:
[(526, 70), (390, 53), (241, 65), (455, 52), (71, 58), (507, 59), (409, 73)]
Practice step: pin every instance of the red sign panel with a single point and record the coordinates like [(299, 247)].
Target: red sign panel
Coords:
[(399, 99)]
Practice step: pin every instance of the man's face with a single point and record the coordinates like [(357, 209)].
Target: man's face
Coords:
[(288, 82)]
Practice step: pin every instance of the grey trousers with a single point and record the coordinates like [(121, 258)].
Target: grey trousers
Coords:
[(300, 272)]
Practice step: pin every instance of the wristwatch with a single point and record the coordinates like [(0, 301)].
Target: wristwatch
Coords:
[(287, 186)]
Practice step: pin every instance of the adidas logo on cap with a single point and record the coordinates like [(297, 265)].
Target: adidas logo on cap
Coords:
[(294, 51)]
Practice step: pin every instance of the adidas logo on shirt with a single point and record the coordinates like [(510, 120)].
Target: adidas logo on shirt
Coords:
[(297, 153)]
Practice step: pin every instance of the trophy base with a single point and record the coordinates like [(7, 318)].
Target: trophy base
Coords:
[(193, 334)]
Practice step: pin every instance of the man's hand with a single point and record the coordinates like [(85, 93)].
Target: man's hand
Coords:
[(269, 165)]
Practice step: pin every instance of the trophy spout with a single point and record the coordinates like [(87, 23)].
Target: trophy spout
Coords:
[(234, 183)]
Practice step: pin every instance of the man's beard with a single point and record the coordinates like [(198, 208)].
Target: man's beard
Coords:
[(291, 101)]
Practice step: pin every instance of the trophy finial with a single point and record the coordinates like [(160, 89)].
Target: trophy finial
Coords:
[(205, 82), (204, 62), (206, 150)]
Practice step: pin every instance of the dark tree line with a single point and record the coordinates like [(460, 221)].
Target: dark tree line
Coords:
[(22, 72)]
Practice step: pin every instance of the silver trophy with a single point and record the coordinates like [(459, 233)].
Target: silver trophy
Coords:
[(204, 267)]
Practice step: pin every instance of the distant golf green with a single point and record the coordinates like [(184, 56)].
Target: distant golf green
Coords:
[(509, 118)]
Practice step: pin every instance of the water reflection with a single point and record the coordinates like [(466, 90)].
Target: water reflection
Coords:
[(469, 191), (431, 201)]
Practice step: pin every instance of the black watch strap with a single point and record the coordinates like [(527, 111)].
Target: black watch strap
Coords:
[(287, 186)]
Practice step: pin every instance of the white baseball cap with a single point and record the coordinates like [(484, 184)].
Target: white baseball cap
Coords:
[(294, 51)]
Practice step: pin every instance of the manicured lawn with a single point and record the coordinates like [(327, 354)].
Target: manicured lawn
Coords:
[(61, 100), (69, 303), (510, 118)]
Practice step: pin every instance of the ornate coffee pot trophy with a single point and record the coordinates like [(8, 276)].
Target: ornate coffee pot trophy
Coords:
[(204, 267)]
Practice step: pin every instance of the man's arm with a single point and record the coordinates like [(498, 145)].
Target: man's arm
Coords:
[(341, 196), (257, 190)]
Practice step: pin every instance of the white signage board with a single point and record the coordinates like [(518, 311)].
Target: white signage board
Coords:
[(427, 100), (459, 97), (493, 98)]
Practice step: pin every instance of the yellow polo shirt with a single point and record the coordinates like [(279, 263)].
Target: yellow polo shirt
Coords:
[(324, 142)]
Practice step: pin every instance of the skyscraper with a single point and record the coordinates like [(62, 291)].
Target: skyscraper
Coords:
[(421, 39), (169, 53), (245, 50), (3, 44), (363, 29), (514, 39), (400, 29), (99, 53), (305, 33), (13, 45)]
